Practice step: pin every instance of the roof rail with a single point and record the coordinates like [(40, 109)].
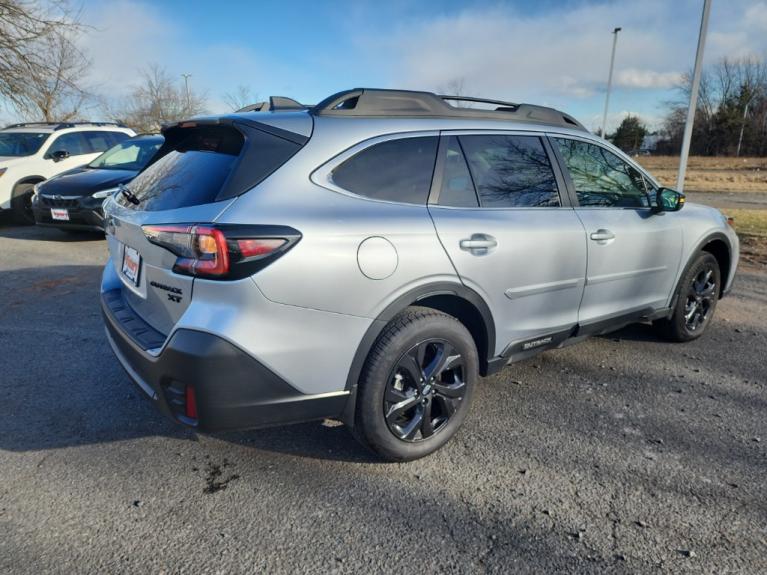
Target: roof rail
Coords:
[(367, 102), (275, 104), (63, 125)]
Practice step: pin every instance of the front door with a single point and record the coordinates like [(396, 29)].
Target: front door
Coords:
[(633, 252), (512, 238)]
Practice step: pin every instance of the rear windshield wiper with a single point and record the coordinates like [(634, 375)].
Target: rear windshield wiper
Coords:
[(130, 196)]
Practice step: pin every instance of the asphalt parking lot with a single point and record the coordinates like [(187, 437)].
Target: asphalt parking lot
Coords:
[(622, 454)]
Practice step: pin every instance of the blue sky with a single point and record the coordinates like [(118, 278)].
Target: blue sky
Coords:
[(546, 52)]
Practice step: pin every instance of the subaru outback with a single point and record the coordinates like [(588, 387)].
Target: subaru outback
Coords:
[(370, 257)]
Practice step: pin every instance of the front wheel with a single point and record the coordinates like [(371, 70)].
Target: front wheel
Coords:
[(416, 386), (21, 204), (698, 295)]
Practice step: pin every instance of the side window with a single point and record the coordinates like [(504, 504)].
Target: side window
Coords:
[(457, 188), (98, 141), (396, 170), (510, 171), (601, 178), (74, 143)]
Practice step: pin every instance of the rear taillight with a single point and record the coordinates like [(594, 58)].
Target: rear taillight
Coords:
[(222, 252)]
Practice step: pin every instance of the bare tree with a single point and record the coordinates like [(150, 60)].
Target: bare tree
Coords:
[(41, 70), (159, 99), (732, 110), (56, 93), (241, 97)]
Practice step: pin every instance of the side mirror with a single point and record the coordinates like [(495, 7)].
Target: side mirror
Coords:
[(59, 155), (668, 200)]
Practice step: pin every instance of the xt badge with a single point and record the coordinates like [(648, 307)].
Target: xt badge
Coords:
[(174, 293)]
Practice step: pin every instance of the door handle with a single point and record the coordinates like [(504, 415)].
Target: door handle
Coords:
[(602, 235), (478, 244)]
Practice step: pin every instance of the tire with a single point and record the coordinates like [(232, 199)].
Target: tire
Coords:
[(417, 341), (21, 204), (695, 306)]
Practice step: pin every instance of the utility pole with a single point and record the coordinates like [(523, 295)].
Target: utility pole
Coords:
[(742, 127), (186, 88), (609, 82), (693, 96)]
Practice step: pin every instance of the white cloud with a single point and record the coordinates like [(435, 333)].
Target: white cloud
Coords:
[(559, 56), (634, 78)]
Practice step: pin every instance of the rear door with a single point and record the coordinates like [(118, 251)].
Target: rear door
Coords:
[(502, 214), (633, 252)]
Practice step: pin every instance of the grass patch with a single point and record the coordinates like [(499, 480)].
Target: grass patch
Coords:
[(749, 222), (713, 174)]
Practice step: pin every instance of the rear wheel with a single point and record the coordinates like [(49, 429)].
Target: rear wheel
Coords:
[(697, 300), (417, 385), (21, 204)]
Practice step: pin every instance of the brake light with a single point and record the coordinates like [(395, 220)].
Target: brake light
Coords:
[(225, 252), (254, 247)]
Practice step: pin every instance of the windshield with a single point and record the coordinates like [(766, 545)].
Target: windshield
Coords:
[(21, 143), (128, 155)]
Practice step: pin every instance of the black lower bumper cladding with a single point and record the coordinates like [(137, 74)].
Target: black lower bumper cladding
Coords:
[(232, 389)]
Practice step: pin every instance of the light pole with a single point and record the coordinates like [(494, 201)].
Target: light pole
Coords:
[(609, 82), (693, 96), (186, 88)]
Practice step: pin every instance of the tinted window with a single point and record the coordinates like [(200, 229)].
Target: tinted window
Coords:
[(510, 171), (21, 143), (601, 178), (74, 143), (457, 188), (130, 155), (191, 171), (396, 170)]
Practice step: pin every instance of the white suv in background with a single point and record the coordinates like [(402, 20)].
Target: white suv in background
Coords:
[(33, 152)]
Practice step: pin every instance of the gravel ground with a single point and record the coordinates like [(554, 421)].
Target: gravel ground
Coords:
[(622, 454)]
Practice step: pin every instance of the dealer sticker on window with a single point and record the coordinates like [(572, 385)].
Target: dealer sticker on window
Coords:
[(131, 264)]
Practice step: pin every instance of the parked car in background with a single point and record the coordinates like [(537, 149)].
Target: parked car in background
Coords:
[(33, 152), (368, 258), (72, 200)]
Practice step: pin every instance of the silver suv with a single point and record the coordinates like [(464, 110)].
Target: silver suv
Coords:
[(368, 258)]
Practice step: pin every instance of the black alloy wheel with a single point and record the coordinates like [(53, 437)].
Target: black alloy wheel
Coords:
[(700, 298), (424, 390), (698, 294), (416, 386)]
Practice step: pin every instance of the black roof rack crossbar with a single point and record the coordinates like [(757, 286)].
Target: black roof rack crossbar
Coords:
[(367, 102), (63, 125)]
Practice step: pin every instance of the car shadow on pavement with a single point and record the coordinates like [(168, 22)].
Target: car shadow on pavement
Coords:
[(61, 385), (10, 230)]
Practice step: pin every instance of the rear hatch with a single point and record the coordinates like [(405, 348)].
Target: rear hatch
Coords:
[(200, 170)]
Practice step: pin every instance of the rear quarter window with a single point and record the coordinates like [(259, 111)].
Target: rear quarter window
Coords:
[(396, 170)]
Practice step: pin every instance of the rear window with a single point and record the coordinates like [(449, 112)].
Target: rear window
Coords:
[(192, 171), (396, 170)]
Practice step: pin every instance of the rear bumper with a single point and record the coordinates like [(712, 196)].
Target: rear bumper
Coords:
[(232, 389)]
